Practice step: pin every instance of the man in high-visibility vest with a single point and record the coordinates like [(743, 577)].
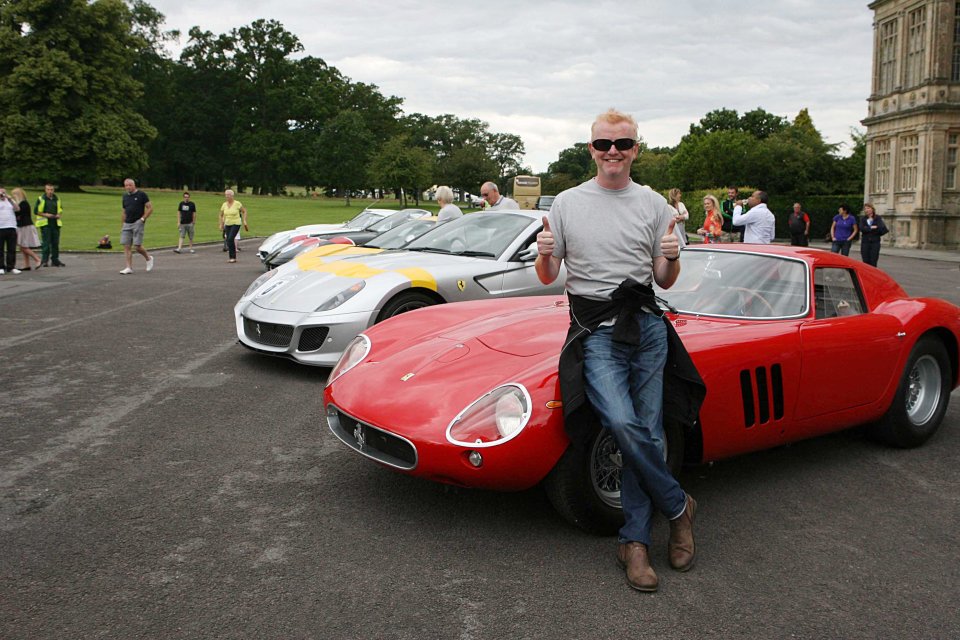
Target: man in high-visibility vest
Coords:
[(49, 212)]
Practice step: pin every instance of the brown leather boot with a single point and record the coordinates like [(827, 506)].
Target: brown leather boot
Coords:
[(633, 557), (682, 550)]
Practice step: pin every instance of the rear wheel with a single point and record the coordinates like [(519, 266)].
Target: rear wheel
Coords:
[(403, 302), (584, 486), (921, 399)]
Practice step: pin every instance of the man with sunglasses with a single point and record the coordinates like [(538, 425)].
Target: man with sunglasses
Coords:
[(615, 237), (491, 193)]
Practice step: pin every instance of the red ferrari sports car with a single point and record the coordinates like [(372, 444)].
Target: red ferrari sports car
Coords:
[(792, 343)]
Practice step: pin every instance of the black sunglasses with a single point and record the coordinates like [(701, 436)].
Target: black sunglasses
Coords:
[(622, 144)]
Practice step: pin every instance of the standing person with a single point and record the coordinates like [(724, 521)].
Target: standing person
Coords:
[(49, 212), (491, 194), (27, 236), (759, 225), (681, 216), (232, 214), (872, 228), (136, 209), (186, 221), (726, 209), (615, 236), (8, 235), (712, 229), (448, 210), (843, 230), (799, 225)]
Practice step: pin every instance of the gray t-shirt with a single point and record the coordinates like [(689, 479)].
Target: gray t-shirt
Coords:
[(504, 203), (605, 236), (448, 212)]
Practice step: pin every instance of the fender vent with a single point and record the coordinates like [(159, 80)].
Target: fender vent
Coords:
[(761, 393)]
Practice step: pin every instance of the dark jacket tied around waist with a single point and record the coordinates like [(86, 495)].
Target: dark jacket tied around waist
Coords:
[(683, 388)]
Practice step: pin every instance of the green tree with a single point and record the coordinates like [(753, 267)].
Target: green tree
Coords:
[(402, 166), (67, 100), (468, 167), (343, 148)]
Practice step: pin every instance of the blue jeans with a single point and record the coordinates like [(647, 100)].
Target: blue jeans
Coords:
[(624, 384), (841, 246)]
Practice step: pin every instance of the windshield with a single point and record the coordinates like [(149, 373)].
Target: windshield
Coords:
[(401, 234), (739, 285), (392, 220), (478, 234), (363, 219)]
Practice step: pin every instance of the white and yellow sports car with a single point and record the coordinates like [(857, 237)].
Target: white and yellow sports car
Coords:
[(311, 308)]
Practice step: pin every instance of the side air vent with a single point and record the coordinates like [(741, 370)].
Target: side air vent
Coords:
[(761, 393)]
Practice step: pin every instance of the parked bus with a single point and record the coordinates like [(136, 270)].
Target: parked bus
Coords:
[(526, 191)]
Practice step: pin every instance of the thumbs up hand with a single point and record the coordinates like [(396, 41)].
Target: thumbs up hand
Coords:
[(670, 244), (545, 240)]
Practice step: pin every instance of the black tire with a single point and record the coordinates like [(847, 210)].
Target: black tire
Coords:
[(921, 400), (403, 302), (584, 486)]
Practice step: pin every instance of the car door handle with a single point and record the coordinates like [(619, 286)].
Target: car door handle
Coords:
[(901, 334)]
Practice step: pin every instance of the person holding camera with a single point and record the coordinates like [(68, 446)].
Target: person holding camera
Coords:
[(758, 223), (8, 234)]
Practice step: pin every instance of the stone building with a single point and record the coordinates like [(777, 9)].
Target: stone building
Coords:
[(913, 122)]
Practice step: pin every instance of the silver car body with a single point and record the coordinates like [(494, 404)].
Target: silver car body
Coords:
[(277, 240), (279, 315)]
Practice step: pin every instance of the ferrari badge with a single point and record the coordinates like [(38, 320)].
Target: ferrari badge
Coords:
[(461, 284)]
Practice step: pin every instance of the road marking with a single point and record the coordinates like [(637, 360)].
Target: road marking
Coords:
[(14, 341)]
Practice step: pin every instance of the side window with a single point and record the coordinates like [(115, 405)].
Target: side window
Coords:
[(836, 293)]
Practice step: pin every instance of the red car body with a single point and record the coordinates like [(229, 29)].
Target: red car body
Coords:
[(769, 381)]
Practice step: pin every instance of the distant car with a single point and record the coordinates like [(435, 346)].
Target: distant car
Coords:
[(544, 203), (310, 309), (302, 242), (361, 220), (791, 342)]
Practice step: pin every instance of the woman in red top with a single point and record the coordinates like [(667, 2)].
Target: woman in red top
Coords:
[(712, 223)]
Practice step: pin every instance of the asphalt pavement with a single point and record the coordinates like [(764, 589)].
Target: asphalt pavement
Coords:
[(157, 480)]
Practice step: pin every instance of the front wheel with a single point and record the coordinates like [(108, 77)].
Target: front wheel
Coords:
[(403, 302), (584, 486), (921, 400)]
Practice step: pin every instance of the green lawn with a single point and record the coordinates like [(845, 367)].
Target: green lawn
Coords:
[(96, 211)]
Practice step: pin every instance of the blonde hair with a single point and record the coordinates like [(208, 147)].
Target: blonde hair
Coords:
[(872, 208), (713, 200), (612, 116), (674, 195), (18, 195)]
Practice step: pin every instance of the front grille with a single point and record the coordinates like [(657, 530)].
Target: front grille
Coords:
[(274, 335), (373, 442), (312, 338)]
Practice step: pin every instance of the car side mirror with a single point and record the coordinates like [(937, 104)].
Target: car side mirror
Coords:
[(529, 254)]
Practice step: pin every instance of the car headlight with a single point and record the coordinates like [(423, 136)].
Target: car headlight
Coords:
[(342, 297), (492, 419), (355, 352), (259, 281)]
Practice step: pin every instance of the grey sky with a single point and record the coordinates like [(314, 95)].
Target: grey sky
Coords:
[(543, 70)]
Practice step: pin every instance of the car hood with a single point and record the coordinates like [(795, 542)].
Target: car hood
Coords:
[(317, 277)]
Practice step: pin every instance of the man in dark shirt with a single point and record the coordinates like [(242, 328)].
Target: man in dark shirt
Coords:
[(726, 209), (799, 224), (186, 221), (136, 209)]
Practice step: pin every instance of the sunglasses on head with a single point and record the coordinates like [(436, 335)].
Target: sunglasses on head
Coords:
[(622, 144)]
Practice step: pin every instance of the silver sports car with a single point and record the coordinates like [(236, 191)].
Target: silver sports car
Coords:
[(360, 221), (312, 307)]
